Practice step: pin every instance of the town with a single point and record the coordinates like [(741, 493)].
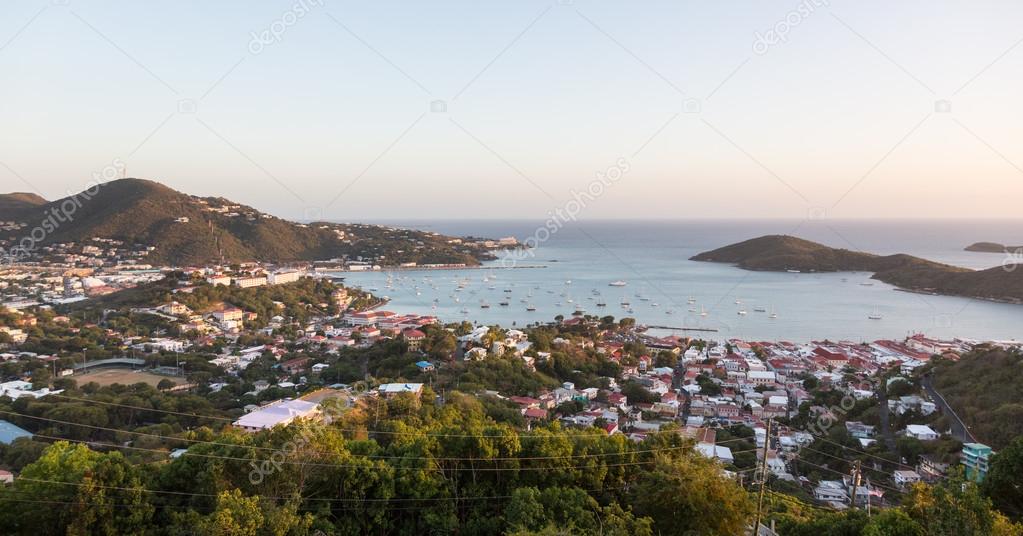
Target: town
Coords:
[(842, 425)]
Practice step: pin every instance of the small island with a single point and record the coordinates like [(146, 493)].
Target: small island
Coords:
[(780, 253), (991, 247)]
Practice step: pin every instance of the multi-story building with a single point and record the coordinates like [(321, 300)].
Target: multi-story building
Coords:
[(249, 282), (975, 459), (280, 278)]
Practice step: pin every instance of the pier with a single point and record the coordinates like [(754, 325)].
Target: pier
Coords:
[(708, 330)]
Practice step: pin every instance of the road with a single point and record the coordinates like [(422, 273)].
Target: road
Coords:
[(959, 429), (885, 415)]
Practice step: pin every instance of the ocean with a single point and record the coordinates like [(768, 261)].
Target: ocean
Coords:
[(573, 266)]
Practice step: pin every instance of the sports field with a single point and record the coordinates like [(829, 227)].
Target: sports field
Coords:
[(123, 376)]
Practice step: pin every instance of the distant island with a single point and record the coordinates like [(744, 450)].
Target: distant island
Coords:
[(779, 253), (181, 229), (991, 247)]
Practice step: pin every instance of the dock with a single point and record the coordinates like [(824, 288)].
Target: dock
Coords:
[(675, 328)]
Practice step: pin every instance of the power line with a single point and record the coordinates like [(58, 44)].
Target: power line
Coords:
[(865, 453), (354, 466), (399, 458), (897, 491), (358, 430), (879, 471), (325, 499)]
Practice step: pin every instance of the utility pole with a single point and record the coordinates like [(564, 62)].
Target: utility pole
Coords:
[(763, 479), (856, 483), (868, 496)]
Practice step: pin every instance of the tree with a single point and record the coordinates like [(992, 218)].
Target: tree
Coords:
[(893, 522), (236, 515), (103, 494), (954, 508), (1004, 481), (687, 492)]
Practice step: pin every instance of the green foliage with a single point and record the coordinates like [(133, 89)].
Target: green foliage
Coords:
[(1004, 481), (984, 388), (106, 493), (687, 494)]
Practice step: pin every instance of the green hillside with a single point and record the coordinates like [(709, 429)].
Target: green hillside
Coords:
[(780, 253), (186, 229)]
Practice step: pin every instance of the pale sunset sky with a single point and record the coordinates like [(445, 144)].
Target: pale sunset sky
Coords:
[(499, 109)]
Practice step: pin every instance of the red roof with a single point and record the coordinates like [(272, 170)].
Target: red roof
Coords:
[(535, 413), (414, 334)]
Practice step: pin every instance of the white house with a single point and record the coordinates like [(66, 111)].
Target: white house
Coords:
[(904, 479), (277, 413), (921, 432)]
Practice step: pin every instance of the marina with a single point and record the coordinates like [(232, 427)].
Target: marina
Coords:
[(670, 293)]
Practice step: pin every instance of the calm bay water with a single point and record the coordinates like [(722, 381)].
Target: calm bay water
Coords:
[(652, 258)]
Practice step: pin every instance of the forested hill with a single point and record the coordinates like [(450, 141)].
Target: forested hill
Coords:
[(984, 389), (187, 229), (15, 203), (781, 253)]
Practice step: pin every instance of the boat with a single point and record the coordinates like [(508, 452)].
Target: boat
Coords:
[(760, 309), (876, 315), (653, 304), (703, 312), (792, 271), (530, 307), (618, 283), (484, 305), (601, 304), (867, 284), (741, 312), (691, 300), (669, 312), (503, 303)]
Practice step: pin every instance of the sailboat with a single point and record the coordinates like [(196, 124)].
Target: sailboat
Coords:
[(876, 315)]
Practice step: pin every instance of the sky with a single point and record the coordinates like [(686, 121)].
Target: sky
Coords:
[(355, 111)]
